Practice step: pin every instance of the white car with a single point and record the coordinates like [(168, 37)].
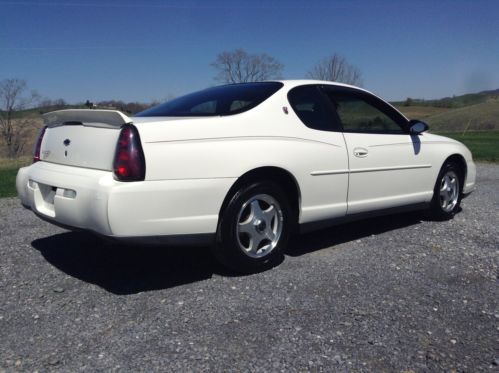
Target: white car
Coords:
[(241, 167)]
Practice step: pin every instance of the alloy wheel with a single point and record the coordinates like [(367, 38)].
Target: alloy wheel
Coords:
[(449, 191), (259, 225)]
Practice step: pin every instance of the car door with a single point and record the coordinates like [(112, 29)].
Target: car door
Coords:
[(387, 166), (324, 178)]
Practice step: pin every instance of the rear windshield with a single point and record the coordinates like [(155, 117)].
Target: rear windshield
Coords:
[(223, 100)]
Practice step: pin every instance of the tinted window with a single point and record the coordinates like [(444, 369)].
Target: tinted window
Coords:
[(309, 105), (359, 112), (222, 100)]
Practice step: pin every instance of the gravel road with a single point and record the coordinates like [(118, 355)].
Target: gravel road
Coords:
[(398, 293)]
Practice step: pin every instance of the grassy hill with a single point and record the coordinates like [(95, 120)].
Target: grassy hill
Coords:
[(452, 102), (479, 117), (472, 119), (420, 112), (471, 112)]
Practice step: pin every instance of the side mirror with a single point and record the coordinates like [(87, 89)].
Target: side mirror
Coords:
[(416, 127)]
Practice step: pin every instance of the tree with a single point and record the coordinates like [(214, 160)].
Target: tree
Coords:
[(336, 69), (125, 107), (14, 127), (238, 66), (50, 105)]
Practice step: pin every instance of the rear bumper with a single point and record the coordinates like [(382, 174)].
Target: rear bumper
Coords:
[(67, 195), (92, 200)]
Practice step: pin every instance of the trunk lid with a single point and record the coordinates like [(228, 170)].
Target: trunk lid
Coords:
[(82, 138)]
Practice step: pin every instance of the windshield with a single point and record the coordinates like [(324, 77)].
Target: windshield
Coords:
[(223, 100)]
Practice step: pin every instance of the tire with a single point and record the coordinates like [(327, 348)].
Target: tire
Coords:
[(447, 193), (254, 228)]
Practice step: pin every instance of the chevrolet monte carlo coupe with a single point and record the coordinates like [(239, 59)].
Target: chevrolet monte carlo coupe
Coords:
[(241, 167)]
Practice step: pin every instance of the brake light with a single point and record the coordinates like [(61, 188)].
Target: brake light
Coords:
[(38, 145), (129, 162)]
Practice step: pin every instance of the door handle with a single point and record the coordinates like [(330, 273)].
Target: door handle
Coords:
[(360, 152)]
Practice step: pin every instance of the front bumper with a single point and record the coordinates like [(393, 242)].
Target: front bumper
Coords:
[(469, 184)]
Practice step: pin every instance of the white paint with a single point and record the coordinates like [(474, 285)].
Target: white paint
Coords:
[(191, 163)]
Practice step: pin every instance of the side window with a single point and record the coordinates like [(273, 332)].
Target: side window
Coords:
[(359, 115), (309, 105), (238, 105), (208, 107)]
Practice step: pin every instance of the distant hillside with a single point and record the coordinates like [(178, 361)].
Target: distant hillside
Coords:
[(128, 108), (37, 111), (470, 112), (421, 112), (452, 102), (494, 92), (479, 117)]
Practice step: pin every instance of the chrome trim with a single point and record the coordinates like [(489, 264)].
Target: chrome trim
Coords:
[(232, 138), (374, 169), (320, 173), (393, 168)]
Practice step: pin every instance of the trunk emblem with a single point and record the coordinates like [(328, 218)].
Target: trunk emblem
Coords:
[(67, 142)]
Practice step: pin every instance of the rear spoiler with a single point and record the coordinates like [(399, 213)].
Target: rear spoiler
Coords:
[(86, 117)]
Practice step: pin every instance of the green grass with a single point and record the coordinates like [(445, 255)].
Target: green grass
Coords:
[(8, 172), (8, 182), (483, 144)]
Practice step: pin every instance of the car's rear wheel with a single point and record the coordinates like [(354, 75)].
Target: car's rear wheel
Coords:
[(253, 229), (447, 192)]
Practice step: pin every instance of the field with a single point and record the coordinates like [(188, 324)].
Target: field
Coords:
[(421, 112), (478, 117), (484, 145), (8, 172)]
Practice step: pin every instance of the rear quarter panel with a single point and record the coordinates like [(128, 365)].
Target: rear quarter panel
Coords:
[(228, 147)]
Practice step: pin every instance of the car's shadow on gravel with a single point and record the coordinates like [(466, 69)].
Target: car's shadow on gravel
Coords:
[(126, 269), (123, 269), (307, 243)]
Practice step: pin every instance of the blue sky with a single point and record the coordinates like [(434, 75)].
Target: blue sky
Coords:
[(152, 49)]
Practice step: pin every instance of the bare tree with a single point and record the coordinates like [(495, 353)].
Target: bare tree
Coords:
[(336, 68), (238, 66), (14, 127), (47, 104)]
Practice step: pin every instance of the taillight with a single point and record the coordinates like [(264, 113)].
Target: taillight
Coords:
[(38, 145), (129, 163)]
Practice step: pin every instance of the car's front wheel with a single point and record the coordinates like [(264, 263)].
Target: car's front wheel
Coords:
[(447, 192), (254, 228)]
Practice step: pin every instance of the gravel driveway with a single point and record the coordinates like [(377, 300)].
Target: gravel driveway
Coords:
[(397, 293)]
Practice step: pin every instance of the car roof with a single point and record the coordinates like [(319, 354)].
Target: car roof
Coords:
[(296, 82), (291, 83)]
